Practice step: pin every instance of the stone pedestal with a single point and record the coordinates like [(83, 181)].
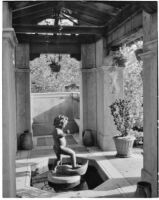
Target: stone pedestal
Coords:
[(149, 172), (23, 89), (9, 112)]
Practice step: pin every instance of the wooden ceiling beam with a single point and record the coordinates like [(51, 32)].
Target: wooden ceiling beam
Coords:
[(24, 8), (92, 30), (88, 20), (18, 5), (34, 12), (34, 19), (56, 39), (100, 8), (50, 48), (122, 17), (85, 11)]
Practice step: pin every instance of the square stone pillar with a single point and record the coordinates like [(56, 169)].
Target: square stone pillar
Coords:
[(9, 112), (23, 89), (9, 42), (101, 85), (150, 65), (109, 88), (88, 114)]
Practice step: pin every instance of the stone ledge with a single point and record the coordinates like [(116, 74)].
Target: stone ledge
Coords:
[(23, 177), (115, 181), (90, 194), (31, 192)]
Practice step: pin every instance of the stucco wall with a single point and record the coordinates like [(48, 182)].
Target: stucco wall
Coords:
[(46, 106)]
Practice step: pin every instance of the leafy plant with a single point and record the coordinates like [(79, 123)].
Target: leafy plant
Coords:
[(120, 112), (119, 59)]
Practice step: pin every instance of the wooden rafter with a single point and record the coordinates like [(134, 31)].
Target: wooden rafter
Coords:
[(56, 39), (34, 19), (70, 18), (125, 14), (24, 8), (23, 28), (31, 12), (86, 9), (60, 48), (89, 20), (100, 8)]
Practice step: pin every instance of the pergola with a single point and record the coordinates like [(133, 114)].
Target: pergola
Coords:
[(97, 28)]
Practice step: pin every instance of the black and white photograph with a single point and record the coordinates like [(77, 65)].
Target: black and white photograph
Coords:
[(80, 99)]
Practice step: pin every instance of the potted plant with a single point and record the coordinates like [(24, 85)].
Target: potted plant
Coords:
[(54, 66), (124, 141)]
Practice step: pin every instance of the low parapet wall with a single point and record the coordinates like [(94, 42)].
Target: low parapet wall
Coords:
[(46, 106)]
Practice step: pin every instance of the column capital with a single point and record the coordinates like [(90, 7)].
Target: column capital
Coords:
[(9, 34)]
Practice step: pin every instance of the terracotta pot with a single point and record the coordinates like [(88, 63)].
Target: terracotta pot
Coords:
[(26, 141), (88, 139), (143, 190), (124, 146)]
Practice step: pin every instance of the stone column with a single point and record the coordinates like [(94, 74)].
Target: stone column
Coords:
[(109, 88), (8, 105), (101, 85), (150, 63), (23, 89), (88, 88)]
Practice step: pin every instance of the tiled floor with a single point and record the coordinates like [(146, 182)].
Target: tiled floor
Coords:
[(124, 173)]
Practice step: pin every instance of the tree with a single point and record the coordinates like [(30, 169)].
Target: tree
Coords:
[(133, 84), (44, 80)]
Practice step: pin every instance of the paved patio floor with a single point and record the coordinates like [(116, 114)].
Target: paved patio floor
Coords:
[(123, 173)]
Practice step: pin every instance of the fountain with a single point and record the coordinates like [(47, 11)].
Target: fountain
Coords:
[(65, 177)]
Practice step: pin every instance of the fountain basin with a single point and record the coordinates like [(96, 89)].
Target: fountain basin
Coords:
[(66, 167), (63, 181)]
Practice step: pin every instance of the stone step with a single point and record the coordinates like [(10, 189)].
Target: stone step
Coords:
[(32, 192), (23, 177), (90, 194)]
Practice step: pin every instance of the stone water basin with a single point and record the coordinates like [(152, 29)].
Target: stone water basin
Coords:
[(88, 178)]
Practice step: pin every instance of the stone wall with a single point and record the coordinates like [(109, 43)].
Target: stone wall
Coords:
[(46, 106)]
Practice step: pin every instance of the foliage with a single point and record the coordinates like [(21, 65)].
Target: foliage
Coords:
[(138, 137), (119, 59), (120, 112), (44, 80), (133, 84)]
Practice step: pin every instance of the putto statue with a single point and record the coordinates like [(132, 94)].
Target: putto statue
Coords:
[(60, 145), (65, 172)]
